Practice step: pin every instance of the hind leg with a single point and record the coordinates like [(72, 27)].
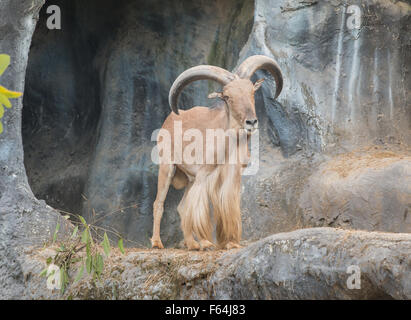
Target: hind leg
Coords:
[(165, 175)]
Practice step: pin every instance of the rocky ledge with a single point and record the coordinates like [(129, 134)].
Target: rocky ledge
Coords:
[(315, 263)]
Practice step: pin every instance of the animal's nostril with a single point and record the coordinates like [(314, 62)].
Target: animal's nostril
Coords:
[(251, 122)]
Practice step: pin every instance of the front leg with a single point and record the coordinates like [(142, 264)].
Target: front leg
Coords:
[(165, 175)]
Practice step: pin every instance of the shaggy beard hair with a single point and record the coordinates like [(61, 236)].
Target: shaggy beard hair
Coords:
[(220, 187)]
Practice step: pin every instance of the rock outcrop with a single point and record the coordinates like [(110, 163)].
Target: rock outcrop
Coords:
[(371, 191), (316, 263)]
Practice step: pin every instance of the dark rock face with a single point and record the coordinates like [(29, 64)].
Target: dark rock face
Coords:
[(97, 89)]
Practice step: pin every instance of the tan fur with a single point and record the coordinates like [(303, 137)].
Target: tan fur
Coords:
[(224, 192), (215, 185), (219, 185)]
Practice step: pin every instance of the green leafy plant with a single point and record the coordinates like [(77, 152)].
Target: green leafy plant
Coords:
[(69, 254), (5, 94)]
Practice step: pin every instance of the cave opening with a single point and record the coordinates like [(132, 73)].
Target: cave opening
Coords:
[(96, 90)]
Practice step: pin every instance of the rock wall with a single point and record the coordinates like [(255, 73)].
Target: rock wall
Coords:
[(98, 88), (345, 86), (346, 94), (24, 220)]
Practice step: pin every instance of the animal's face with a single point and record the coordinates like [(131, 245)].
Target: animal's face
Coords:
[(239, 97)]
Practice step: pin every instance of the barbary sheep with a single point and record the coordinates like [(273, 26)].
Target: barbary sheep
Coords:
[(207, 179)]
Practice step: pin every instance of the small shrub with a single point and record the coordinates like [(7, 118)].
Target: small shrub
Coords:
[(68, 254)]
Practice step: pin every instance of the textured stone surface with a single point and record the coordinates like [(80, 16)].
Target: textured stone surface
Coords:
[(312, 264), (342, 86), (343, 89), (304, 264), (24, 220), (370, 191)]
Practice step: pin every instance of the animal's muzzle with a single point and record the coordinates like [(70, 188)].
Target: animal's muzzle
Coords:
[(251, 125)]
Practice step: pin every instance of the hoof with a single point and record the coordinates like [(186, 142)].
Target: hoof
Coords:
[(232, 245), (157, 244), (207, 245), (193, 245)]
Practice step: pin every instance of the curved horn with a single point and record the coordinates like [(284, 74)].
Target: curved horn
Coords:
[(254, 63), (203, 72)]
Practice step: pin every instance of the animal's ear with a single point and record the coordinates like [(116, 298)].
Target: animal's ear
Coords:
[(215, 95), (258, 84)]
